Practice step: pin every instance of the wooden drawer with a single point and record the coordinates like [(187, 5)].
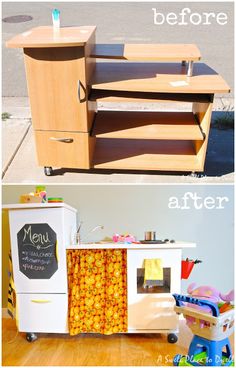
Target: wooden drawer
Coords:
[(64, 149), (43, 312)]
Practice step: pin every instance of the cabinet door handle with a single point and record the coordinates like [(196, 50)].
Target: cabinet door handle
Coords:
[(57, 255), (64, 140), (40, 301), (79, 91)]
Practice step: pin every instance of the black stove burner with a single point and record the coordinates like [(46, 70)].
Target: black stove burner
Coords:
[(157, 241)]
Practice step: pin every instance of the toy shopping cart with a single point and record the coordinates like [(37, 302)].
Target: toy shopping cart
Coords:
[(210, 345)]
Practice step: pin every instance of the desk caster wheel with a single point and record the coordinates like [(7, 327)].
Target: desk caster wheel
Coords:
[(48, 171), (177, 359), (30, 336), (172, 338)]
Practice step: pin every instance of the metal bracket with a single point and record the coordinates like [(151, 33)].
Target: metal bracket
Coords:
[(190, 69)]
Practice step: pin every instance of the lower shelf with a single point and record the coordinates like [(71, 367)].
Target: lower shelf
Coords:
[(141, 154), (147, 125)]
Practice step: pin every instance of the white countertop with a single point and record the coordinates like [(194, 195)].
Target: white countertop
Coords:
[(23, 206), (176, 245)]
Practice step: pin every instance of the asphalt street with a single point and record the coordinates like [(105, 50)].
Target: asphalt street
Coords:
[(120, 22)]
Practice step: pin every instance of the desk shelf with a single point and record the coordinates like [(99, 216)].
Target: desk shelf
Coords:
[(147, 125), (68, 74), (147, 52), (156, 77), (142, 154)]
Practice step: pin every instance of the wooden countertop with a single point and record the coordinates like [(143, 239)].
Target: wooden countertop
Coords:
[(147, 52), (176, 245), (47, 36), (157, 77)]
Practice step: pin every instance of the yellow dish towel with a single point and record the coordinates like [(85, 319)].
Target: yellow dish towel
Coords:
[(153, 270)]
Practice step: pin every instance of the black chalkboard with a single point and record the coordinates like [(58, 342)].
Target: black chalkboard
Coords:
[(37, 251)]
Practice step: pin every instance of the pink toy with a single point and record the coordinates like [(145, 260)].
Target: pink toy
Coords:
[(123, 238), (206, 293)]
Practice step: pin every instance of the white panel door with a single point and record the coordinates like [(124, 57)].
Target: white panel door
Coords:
[(153, 311), (43, 313), (54, 217)]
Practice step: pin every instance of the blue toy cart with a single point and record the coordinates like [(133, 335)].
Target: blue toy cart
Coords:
[(210, 345)]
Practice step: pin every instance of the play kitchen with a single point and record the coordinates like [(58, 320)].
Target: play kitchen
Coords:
[(123, 285)]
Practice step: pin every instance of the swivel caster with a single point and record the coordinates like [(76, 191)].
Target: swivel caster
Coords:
[(48, 171), (193, 174), (197, 175), (30, 336), (172, 338)]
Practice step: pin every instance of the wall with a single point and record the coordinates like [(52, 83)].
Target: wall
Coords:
[(136, 208)]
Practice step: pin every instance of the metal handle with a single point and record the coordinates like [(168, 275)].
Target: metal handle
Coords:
[(79, 91), (57, 255), (64, 140), (40, 301), (190, 69), (201, 302)]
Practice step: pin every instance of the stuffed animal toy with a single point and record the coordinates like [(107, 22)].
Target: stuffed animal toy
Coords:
[(207, 293)]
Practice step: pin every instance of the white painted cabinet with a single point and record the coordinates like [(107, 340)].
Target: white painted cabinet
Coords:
[(40, 234), (43, 313), (151, 309)]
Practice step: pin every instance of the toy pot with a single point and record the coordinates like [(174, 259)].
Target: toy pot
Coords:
[(186, 269)]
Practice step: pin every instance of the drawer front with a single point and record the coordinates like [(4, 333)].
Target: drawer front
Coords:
[(38, 250), (152, 309), (43, 312), (63, 149)]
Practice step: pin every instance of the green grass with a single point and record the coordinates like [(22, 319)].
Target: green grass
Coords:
[(5, 116)]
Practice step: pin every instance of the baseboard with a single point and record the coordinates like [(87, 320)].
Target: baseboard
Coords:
[(5, 313)]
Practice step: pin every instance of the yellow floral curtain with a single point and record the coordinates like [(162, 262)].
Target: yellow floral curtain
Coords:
[(97, 281)]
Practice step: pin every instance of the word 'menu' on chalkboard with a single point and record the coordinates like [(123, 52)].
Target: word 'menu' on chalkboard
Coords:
[(37, 251)]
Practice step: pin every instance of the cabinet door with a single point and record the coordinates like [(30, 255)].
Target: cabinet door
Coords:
[(57, 86), (152, 308), (43, 313), (38, 250)]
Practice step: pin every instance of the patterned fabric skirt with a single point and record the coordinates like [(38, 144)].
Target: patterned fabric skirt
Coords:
[(97, 283)]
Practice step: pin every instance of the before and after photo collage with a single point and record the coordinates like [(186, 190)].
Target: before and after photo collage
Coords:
[(117, 183)]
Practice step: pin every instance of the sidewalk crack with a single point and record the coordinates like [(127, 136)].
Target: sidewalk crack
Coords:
[(16, 150)]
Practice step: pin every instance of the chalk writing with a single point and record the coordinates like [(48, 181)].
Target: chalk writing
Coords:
[(39, 263)]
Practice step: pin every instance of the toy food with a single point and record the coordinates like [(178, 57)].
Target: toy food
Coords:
[(123, 238), (225, 307)]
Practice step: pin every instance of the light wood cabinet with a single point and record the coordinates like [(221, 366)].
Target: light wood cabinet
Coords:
[(64, 149), (68, 74), (58, 69)]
